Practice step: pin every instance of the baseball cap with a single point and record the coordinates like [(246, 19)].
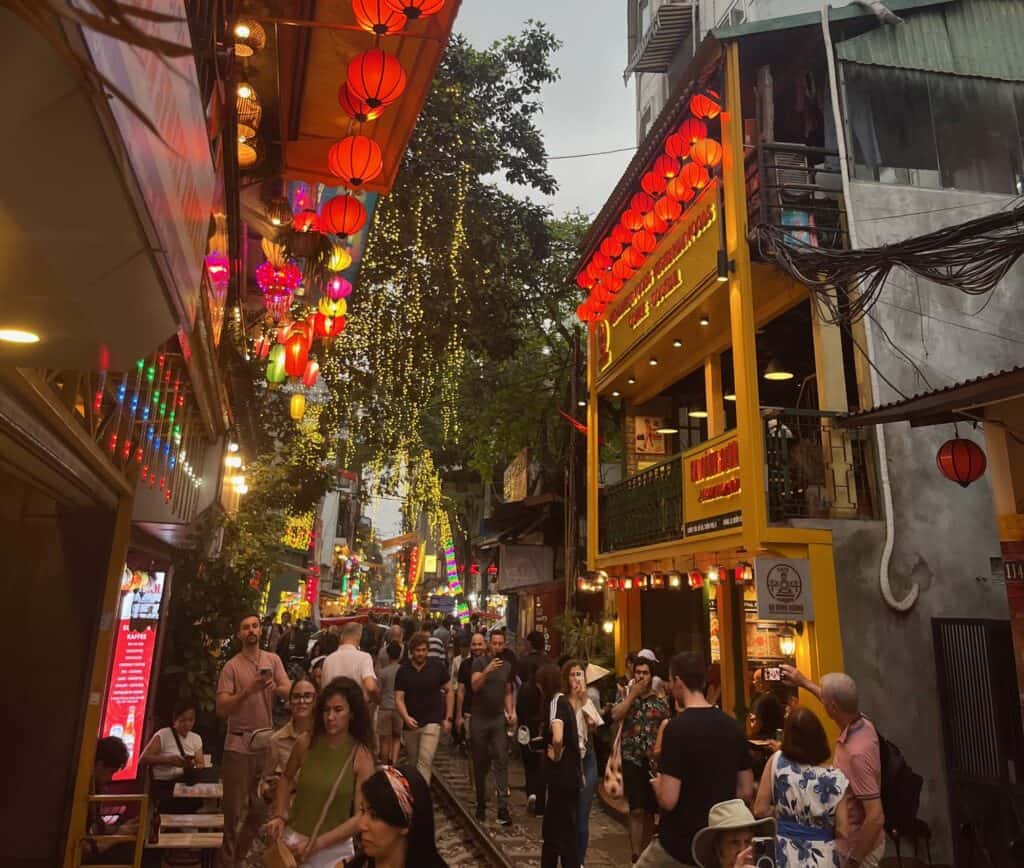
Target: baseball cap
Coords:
[(647, 654)]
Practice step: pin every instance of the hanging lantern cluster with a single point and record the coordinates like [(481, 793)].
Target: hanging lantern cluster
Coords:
[(673, 180), (277, 285), (673, 580)]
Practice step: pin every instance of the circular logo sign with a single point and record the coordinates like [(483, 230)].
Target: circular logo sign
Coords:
[(784, 583)]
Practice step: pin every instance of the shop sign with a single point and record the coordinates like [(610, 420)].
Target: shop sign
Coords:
[(441, 603), (517, 477), (711, 486), (646, 438), (687, 258), (783, 589), (546, 608), (125, 710), (525, 566)]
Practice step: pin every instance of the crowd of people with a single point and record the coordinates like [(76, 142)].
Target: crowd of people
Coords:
[(325, 786)]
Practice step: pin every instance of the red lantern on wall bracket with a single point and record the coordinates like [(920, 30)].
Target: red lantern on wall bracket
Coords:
[(343, 215), (355, 160), (378, 16), (376, 77), (961, 461), (356, 108)]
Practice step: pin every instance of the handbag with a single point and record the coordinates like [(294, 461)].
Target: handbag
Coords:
[(613, 785), (277, 854), (190, 774)]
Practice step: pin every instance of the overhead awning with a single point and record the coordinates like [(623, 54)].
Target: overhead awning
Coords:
[(673, 21), (951, 404)]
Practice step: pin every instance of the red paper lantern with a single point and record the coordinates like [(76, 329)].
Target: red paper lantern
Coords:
[(356, 108), (705, 105), (679, 190), (378, 16), (644, 241), (612, 283), (668, 209), (343, 215), (641, 203), (322, 325), (961, 461), (707, 152), (261, 346), (583, 312), (654, 223), (622, 269), (633, 219), (666, 166), (416, 8), (601, 260), (306, 221), (602, 294), (376, 77), (595, 272), (677, 146), (695, 175), (633, 256), (355, 159), (311, 374), (693, 130), (296, 353), (621, 234), (611, 248), (653, 184), (584, 280)]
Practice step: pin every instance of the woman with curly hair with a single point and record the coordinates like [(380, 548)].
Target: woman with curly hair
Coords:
[(396, 826), (334, 761)]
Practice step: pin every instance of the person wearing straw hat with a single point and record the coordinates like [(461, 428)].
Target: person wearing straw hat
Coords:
[(726, 841)]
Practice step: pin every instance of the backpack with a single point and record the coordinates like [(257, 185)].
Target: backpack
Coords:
[(901, 788)]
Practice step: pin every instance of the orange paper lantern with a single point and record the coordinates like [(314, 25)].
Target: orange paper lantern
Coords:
[(665, 166), (632, 219), (644, 241), (677, 146), (654, 223), (611, 248), (622, 269), (633, 256), (378, 16), (705, 105), (707, 152), (376, 77), (343, 215), (695, 175), (679, 190), (668, 209), (601, 260), (355, 160), (416, 8)]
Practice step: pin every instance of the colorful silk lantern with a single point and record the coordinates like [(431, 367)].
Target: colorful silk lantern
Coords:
[(641, 203), (332, 308), (311, 374), (653, 184), (275, 365), (695, 175), (693, 130), (340, 258), (414, 9), (269, 278), (707, 152), (668, 209), (705, 105), (621, 234), (376, 77), (378, 16), (323, 325), (644, 241), (679, 190), (296, 353), (356, 108), (677, 146), (356, 160), (343, 215), (337, 288), (611, 248), (297, 406), (961, 461), (632, 219), (306, 221), (665, 166)]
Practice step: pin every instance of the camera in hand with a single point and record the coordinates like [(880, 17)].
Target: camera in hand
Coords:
[(773, 673), (764, 852)]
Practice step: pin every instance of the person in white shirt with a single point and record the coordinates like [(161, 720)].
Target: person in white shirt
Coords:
[(173, 749), (350, 662)]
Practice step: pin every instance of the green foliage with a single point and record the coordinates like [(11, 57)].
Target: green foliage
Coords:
[(583, 639)]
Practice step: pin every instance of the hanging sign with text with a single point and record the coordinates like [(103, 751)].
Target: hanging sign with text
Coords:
[(684, 259), (783, 589), (711, 486)]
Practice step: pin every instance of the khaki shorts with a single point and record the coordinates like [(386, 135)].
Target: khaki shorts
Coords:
[(389, 723)]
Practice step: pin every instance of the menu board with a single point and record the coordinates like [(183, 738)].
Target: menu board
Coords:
[(135, 644)]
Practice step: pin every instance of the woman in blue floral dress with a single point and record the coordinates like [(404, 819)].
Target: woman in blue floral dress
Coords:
[(806, 796)]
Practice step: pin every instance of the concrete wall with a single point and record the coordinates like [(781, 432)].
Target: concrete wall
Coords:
[(944, 535)]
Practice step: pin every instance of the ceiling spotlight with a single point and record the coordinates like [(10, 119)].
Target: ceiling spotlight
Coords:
[(581, 403), (777, 372), (232, 447), (18, 336), (704, 320), (631, 380), (725, 265), (616, 393), (666, 429), (698, 414), (730, 397), (652, 362), (677, 343), (245, 90)]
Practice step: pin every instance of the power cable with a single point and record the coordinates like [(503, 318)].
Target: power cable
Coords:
[(592, 154)]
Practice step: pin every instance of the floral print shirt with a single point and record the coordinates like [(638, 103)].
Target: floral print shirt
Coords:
[(640, 727), (804, 801)]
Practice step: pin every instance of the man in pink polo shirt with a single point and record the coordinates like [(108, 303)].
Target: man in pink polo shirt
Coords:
[(857, 757)]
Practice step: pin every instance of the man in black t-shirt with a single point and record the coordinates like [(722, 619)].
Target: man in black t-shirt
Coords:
[(423, 698), (493, 713), (704, 760)]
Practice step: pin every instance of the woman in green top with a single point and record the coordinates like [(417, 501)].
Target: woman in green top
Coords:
[(339, 745)]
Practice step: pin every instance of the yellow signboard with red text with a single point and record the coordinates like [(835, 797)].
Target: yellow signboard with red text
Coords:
[(689, 257), (711, 486)]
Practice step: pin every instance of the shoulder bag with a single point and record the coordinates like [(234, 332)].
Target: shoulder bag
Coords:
[(277, 854), (190, 774), (613, 785)]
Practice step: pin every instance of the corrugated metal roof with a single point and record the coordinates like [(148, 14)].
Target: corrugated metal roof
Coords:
[(971, 37)]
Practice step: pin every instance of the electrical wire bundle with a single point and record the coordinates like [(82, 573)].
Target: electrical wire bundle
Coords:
[(971, 257)]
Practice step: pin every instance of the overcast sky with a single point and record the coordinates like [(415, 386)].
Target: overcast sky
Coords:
[(589, 108)]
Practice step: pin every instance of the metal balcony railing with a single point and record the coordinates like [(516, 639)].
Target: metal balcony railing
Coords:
[(816, 469), (797, 190), (647, 508)]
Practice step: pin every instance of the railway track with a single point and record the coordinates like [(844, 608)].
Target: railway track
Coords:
[(460, 838)]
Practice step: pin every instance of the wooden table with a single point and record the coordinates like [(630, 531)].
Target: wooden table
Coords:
[(188, 841), (191, 821), (199, 791)]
